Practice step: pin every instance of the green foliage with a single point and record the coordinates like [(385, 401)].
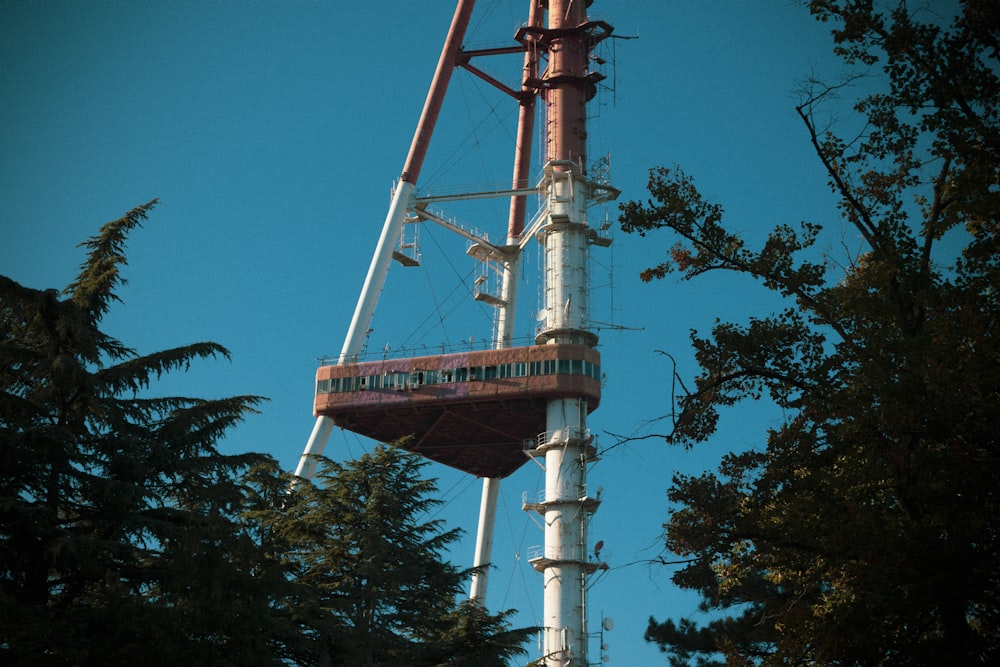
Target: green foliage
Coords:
[(118, 516), (475, 638), (127, 537), (362, 542), (865, 531)]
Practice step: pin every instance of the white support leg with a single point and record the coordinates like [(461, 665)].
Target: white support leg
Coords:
[(484, 540), (314, 447), (363, 313)]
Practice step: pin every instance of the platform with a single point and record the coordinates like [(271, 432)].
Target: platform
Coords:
[(468, 410)]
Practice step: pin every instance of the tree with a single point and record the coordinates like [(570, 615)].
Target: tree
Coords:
[(119, 533), (865, 530), (127, 537), (362, 542), (475, 638)]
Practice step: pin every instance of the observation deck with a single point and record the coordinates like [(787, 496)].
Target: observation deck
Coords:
[(468, 410)]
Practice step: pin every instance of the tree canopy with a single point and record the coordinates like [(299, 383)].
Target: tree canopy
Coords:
[(864, 531), (363, 543), (113, 503), (128, 537)]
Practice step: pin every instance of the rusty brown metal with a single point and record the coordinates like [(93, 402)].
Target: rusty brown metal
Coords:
[(467, 417), (566, 98), (435, 96), (525, 126)]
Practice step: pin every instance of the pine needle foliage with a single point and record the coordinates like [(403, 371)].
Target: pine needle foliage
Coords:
[(119, 540), (128, 538), (362, 539)]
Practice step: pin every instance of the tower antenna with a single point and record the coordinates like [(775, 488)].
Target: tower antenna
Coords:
[(488, 412)]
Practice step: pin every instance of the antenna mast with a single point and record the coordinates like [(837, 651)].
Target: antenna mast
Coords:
[(481, 412), (567, 445)]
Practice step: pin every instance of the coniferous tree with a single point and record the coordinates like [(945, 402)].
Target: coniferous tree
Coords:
[(362, 541), (865, 530), (119, 541), (475, 638), (127, 537)]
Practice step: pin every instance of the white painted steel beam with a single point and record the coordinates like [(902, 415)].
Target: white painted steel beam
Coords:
[(484, 539), (377, 271), (363, 313), (508, 296), (484, 194)]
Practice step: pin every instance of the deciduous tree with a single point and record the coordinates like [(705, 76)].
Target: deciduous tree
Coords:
[(864, 531)]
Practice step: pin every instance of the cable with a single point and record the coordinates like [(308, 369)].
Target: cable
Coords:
[(461, 287)]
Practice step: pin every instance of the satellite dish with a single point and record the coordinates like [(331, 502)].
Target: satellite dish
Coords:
[(608, 624)]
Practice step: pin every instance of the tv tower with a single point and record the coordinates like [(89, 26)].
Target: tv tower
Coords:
[(488, 412)]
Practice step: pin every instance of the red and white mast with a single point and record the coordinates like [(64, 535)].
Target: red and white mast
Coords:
[(567, 85), (507, 308)]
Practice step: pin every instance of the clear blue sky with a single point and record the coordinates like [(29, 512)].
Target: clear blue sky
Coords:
[(271, 132)]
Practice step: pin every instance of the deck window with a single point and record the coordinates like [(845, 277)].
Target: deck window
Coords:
[(407, 379)]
